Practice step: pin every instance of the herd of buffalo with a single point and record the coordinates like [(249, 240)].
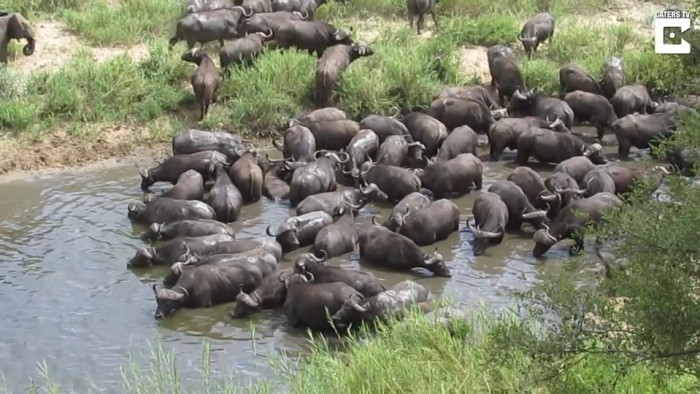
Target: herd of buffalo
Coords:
[(332, 166)]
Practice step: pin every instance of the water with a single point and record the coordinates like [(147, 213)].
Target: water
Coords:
[(69, 299)]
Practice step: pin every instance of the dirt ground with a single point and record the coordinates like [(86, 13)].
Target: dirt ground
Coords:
[(56, 46)]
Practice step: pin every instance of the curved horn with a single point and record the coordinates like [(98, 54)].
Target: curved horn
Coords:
[(417, 143), (309, 277), (481, 233), (398, 112), (186, 254), (337, 157), (243, 10), (143, 171), (267, 230), (356, 306), (534, 215), (374, 220), (280, 277), (237, 150), (319, 259), (570, 190), (155, 290), (305, 16), (267, 35), (318, 153), (187, 293)]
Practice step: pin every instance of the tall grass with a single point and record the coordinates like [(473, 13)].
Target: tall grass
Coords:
[(86, 91), (133, 21)]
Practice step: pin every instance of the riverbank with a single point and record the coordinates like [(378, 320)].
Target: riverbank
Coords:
[(83, 96)]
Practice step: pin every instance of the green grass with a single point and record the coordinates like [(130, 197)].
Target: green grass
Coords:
[(85, 91)]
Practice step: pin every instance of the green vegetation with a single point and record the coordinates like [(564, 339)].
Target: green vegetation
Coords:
[(405, 71)]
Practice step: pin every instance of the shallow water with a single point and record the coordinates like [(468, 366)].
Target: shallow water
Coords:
[(69, 299)]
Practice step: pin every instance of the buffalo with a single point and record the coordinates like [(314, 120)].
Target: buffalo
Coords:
[(572, 77), (427, 225), (186, 228), (474, 92), (572, 220), (206, 80), (269, 21), (298, 144), (455, 112), (426, 130), (309, 304), (315, 177), (598, 180), (531, 184), (274, 187), (490, 221), (577, 167), (381, 246), (225, 197), (328, 202), (418, 9), (461, 140), (413, 202), (179, 248), (243, 51), (505, 72), (364, 145), (206, 26), (520, 209), (338, 238), (167, 210), (384, 126), (247, 175), (536, 30), (456, 176), (396, 182), (327, 114), (592, 108), (333, 134), (641, 130), (194, 141), (299, 231), (270, 293), (331, 65), (389, 303), (171, 169), (549, 146), (189, 186), (563, 189), (533, 103), (630, 99), (613, 76), (505, 132), (395, 150), (367, 284), (313, 36)]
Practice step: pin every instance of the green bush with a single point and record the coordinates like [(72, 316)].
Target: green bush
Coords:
[(34, 8)]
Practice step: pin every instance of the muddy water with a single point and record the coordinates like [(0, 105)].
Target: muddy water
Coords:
[(68, 298)]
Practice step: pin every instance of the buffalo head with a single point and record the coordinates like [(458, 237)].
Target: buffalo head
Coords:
[(594, 153), (362, 48), (528, 43), (483, 238), (143, 257), (557, 125), (146, 178), (246, 304), (286, 234), (351, 311), (372, 192), (436, 264), (135, 210), (169, 300), (307, 263), (342, 36), (416, 153), (543, 242)]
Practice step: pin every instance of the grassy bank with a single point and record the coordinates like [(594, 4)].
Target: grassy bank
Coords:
[(406, 69)]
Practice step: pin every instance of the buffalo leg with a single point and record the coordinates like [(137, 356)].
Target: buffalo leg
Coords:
[(432, 15), (420, 22), (623, 149)]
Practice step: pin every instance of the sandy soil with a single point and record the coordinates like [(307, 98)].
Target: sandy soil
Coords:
[(56, 46)]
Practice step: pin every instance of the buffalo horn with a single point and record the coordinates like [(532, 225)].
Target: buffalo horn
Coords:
[(308, 277), (663, 169), (155, 290), (534, 214), (416, 143), (269, 226), (434, 258), (518, 95), (243, 10), (246, 299), (356, 306), (398, 112), (238, 151), (143, 171), (277, 145), (280, 277), (569, 190), (250, 148), (337, 157), (318, 153), (187, 293), (481, 233), (305, 16), (267, 35), (319, 259), (374, 220)]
